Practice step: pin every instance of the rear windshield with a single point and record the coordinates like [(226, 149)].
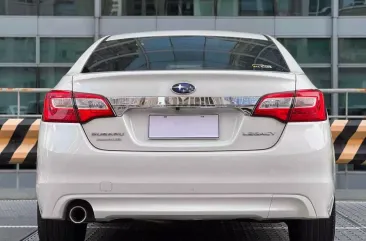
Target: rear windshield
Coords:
[(186, 52)]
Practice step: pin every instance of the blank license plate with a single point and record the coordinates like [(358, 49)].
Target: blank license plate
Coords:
[(184, 127)]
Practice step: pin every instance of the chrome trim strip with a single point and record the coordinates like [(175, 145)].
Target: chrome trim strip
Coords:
[(242, 103)]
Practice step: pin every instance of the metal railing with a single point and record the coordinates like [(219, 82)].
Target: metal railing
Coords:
[(346, 92), (18, 91)]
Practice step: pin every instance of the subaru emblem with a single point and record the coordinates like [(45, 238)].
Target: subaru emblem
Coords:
[(183, 88)]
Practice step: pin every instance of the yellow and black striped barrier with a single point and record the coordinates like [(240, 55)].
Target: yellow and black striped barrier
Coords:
[(18, 141), (349, 139)]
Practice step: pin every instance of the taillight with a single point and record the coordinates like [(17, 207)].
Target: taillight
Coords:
[(74, 107), (299, 106)]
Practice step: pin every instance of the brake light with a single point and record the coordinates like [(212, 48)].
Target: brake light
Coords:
[(299, 106), (74, 107)]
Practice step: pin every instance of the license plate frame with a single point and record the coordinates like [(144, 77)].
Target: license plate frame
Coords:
[(184, 127)]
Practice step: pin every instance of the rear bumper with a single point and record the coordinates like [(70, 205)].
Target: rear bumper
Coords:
[(290, 180), (182, 207)]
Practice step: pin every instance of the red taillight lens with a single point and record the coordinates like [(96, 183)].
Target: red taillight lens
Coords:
[(277, 105), (299, 106), (91, 106), (309, 106), (69, 107), (59, 107)]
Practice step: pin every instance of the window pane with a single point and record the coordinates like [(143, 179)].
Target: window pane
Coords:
[(304, 50), (162, 8), (17, 50), (321, 78), (63, 50), (352, 78), (245, 7), (129, 8), (49, 77), (352, 8), (18, 7), (186, 52), (256, 8), (352, 50), (204, 7), (15, 77), (175, 8), (66, 8), (304, 8)]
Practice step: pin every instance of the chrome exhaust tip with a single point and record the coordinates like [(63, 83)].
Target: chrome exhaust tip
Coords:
[(78, 214)]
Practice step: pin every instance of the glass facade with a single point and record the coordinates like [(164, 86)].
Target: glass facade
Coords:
[(66, 8), (18, 7), (41, 39), (216, 8), (50, 76), (308, 50), (182, 7), (47, 7), (352, 50), (63, 50), (17, 50), (352, 8), (352, 53)]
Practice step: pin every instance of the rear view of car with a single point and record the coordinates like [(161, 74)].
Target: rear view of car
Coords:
[(185, 125)]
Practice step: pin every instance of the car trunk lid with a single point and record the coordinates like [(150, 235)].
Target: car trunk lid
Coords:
[(215, 117)]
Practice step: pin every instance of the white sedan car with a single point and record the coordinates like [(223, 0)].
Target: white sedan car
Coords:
[(185, 125)]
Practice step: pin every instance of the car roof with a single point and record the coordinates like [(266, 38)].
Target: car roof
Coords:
[(188, 33)]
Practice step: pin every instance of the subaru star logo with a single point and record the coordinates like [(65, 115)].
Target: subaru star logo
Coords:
[(183, 88)]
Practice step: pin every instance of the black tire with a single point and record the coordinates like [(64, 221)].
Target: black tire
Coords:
[(313, 230), (59, 230)]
